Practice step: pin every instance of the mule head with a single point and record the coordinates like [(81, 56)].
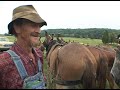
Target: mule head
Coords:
[(48, 42), (47, 39), (51, 43)]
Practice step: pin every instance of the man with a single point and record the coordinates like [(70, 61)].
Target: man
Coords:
[(25, 26)]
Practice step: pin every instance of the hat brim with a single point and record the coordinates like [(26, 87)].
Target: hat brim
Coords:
[(32, 17)]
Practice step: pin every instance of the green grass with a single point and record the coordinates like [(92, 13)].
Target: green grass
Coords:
[(71, 39), (81, 40), (11, 38)]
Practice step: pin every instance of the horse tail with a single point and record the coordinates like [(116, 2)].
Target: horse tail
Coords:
[(102, 72), (88, 79)]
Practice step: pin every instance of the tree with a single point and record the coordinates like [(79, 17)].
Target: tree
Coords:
[(105, 37), (112, 38)]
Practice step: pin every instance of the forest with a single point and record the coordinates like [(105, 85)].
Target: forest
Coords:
[(105, 34), (95, 33)]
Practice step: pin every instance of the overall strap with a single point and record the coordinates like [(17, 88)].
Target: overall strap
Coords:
[(40, 70), (39, 66), (20, 67)]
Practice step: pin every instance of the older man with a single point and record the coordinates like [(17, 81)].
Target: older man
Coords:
[(21, 66)]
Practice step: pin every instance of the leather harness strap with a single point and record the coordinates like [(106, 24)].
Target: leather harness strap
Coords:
[(67, 83)]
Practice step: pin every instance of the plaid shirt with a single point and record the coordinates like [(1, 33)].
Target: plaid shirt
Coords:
[(9, 76)]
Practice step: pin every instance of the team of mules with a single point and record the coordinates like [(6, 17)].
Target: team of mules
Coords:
[(75, 64)]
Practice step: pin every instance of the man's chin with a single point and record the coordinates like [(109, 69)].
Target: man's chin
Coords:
[(34, 45)]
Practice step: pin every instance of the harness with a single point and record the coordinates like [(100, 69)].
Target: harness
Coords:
[(67, 83), (30, 82)]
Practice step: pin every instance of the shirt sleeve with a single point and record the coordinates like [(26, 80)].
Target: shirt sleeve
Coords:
[(5, 59)]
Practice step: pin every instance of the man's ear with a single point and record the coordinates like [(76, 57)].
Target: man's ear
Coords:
[(16, 28)]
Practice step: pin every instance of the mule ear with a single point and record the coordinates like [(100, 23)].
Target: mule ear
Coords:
[(115, 49), (118, 46), (46, 33)]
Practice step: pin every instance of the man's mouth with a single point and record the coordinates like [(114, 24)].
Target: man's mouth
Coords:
[(35, 34)]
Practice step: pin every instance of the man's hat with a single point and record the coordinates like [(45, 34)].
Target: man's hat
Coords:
[(26, 12)]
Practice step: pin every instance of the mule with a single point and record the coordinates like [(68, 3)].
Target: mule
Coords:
[(72, 64), (63, 59), (105, 59), (116, 67)]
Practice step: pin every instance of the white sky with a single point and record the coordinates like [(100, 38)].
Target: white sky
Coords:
[(67, 14)]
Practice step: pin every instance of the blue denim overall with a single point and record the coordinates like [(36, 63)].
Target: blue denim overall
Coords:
[(30, 82)]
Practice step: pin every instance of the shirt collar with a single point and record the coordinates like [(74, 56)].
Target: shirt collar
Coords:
[(20, 51)]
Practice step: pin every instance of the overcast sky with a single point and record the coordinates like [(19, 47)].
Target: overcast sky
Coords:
[(67, 14)]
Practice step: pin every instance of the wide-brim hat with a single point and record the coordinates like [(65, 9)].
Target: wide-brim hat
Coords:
[(26, 12)]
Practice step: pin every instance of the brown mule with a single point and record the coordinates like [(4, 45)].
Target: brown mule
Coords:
[(105, 59), (71, 64)]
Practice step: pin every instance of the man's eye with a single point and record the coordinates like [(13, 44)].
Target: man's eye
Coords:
[(34, 25)]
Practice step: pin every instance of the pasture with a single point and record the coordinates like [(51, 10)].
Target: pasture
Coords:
[(68, 39), (81, 40)]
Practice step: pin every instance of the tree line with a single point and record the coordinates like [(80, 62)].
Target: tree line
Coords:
[(105, 34)]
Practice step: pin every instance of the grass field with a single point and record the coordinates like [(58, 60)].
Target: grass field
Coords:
[(82, 40), (71, 39)]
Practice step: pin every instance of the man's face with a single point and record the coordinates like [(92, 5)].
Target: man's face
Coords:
[(30, 33)]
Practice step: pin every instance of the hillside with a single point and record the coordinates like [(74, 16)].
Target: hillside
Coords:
[(95, 33)]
